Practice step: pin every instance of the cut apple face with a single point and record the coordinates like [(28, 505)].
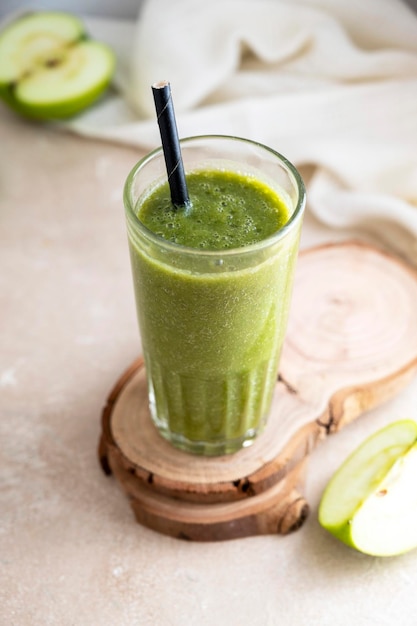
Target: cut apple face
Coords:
[(371, 501), (49, 68)]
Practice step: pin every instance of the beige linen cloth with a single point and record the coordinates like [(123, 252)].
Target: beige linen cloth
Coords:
[(328, 83)]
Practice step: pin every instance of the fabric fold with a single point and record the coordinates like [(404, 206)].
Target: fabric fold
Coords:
[(325, 82)]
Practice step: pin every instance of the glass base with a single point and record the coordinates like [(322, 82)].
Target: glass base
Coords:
[(212, 448), (211, 416)]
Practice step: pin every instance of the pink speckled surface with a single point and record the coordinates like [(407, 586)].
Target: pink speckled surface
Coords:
[(70, 551)]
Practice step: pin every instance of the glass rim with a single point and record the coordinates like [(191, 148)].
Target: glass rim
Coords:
[(179, 248)]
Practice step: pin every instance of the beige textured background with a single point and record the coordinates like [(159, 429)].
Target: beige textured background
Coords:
[(70, 551)]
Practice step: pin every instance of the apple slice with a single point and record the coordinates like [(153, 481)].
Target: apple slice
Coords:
[(50, 69), (371, 501)]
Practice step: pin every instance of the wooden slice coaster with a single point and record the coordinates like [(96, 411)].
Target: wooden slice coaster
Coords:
[(351, 343)]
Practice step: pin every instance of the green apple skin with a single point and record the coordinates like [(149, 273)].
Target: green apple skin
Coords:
[(63, 108), (370, 503), (59, 104)]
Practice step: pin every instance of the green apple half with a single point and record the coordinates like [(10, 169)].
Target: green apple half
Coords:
[(49, 69), (371, 501)]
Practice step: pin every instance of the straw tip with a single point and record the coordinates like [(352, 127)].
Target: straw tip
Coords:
[(160, 84)]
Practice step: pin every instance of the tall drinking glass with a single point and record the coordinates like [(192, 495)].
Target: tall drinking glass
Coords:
[(212, 322)]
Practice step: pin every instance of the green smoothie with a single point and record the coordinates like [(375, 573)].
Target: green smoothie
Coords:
[(227, 210), (213, 290)]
